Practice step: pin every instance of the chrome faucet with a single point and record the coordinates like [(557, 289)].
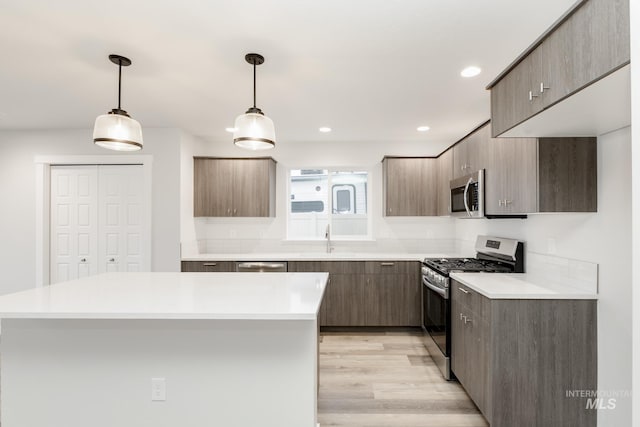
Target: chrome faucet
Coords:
[(327, 235)]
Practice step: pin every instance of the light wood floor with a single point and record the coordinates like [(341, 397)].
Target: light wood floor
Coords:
[(387, 379)]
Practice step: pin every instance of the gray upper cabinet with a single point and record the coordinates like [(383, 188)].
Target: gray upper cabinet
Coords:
[(587, 44), (445, 174), (528, 175), (234, 187), (469, 154), (410, 186), (511, 176)]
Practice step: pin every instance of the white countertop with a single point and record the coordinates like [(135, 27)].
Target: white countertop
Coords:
[(518, 286), (317, 256), (250, 296)]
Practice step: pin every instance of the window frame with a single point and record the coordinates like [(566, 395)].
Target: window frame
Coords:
[(329, 204)]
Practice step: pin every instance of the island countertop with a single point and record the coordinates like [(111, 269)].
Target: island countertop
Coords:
[(241, 296)]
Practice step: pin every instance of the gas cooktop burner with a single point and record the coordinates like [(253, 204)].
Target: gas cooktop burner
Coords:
[(448, 265)]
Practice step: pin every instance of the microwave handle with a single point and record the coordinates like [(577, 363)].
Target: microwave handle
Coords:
[(466, 190)]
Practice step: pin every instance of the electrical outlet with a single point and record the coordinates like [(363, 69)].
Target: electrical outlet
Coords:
[(158, 389)]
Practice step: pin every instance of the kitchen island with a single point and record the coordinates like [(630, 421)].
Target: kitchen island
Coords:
[(163, 349)]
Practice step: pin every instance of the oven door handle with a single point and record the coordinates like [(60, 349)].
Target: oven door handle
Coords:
[(440, 291), (466, 190)]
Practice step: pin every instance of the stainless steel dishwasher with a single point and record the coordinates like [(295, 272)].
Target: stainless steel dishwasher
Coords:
[(261, 267)]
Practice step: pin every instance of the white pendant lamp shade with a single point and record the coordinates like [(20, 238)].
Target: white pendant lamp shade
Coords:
[(254, 131), (117, 132)]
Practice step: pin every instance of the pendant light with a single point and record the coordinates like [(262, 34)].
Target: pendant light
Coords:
[(116, 130), (254, 130)]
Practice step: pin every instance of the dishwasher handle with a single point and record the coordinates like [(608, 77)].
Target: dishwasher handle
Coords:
[(261, 266)]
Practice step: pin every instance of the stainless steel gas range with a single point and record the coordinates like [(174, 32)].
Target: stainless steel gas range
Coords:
[(493, 255)]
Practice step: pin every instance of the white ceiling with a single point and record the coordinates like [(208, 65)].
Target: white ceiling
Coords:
[(373, 70)]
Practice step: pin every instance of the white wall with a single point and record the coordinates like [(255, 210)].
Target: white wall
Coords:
[(635, 159), (267, 234), (603, 238), (17, 192)]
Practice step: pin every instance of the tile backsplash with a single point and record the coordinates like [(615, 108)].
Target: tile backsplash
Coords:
[(582, 275)]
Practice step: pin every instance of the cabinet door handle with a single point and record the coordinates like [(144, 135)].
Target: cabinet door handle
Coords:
[(83, 260), (543, 87), (464, 290), (462, 316), (467, 320), (112, 260), (387, 264), (531, 95), (507, 202), (235, 211), (229, 211), (209, 264)]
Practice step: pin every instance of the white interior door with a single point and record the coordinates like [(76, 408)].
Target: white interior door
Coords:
[(96, 221), (121, 210), (74, 222)]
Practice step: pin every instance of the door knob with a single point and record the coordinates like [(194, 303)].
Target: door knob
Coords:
[(112, 260), (83, 260)]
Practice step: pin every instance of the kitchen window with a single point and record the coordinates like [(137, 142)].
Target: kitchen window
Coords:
[(335, 197)]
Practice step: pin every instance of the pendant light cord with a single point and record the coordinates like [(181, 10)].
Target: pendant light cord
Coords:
[(254, 84), (119, 81)]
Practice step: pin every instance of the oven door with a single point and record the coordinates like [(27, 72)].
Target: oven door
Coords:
[(436, 321), (435, 313)]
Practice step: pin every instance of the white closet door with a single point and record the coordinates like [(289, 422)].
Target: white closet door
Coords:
[(121, 212), (74, 222)]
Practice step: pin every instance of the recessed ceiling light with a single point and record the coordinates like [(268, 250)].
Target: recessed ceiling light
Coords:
[(471, 71), (231, 130), (324, 129), (423, 128)]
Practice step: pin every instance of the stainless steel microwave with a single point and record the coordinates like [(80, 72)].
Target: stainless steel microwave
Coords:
[(467, 196)]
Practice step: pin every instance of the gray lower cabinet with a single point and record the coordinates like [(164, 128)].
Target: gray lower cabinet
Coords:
[(367, 293), (589, 43), (518, 358), (529, 175), (343, 302), (410, 186), (208, 266), (238, 187), (392, 293)]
